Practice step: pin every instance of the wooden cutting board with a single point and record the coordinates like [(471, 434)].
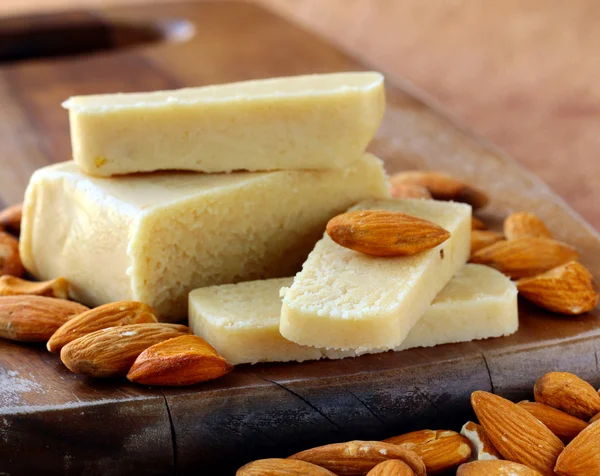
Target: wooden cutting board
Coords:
[(54, 422)]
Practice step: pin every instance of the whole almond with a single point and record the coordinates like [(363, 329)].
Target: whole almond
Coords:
[(10, 218), (10, 260), (563, 425), (111, 352), (567, 289), (495, 468), (442, 186), (441, 450), (482, 446), (482, 238), (385, 233), (477, 224), (515, 433), (13, 286), (391, 467), (183, 360), (115, 314), (34, 318), (524, 257), (404, 190), (281, 467), (582, 456), (567, 392), (524, 225), (357, 458)]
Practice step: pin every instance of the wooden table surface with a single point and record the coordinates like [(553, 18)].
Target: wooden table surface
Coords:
[(523, 74)]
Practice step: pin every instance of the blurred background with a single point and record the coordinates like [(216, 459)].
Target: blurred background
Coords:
[(522, 74)]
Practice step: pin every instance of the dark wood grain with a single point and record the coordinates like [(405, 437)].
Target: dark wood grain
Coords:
[(263, 410)]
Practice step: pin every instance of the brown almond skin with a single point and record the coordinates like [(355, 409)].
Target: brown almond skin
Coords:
[(441, 450), (442, 186), (357, 458), (10, 218), (515, 433), (523, 225), (184, 360), (282, 467), (563, 425), (477, 224), (10, 260), (34, 318), (402, 190), (391, 467), (13, 286), (595, 418), (385, 234), (482, 238), (525, 257), (567, 392), (495, 468), (582, 456), (115, 314), (111, 352), (567, 289)]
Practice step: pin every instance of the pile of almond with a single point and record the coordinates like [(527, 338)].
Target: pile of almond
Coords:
[(546, 271), (558, 434)]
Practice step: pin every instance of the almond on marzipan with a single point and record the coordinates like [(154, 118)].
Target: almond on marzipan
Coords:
[(34, 318), (109, 315), (582, 456), (183, 360), (569, 393), (405, 190), (563, 425), (111, 352), (13, 286), (384, 233), (10, 260), (567, 289), (442, 186), (10, 218), (496, 468), (441, 450), (525, 257), (482, 238), (391, 467), (515, 433), (525, 225), (357, 458), (482, 446), (282, 467)]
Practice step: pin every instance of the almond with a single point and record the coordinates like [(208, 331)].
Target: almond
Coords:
[(109, 315), (282, 467), (357, 458), (10, 260), (34, 318), (525, 225), (594, 419), (567, 392), (482, 238), (563, 425), (477, 224), (582, 456), (183, 360), (10, 218), (385, 233), (442, 187), (524, 257), (111, 352), (405, 190), (482, 446), (515, 433), (391, 467), (440, 450), (567, 289), (495, 468), (13, 286)]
